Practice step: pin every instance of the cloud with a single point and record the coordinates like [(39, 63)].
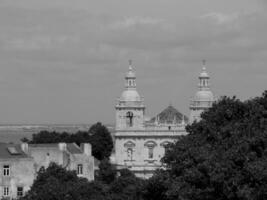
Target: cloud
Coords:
[(79, 56), (35, 43), (135, 21), (221, 18)]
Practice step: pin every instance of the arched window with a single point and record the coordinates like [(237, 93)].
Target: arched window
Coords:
[(150, 145), (129, 150), (129, 119), (165, 145), (130, 154)]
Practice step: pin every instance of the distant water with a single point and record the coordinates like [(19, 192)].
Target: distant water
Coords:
[(14, 133)]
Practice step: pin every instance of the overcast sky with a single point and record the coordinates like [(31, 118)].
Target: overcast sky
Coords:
[(64, 61)]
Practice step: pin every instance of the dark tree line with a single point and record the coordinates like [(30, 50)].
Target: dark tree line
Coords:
[(98, 136), (56, 183), (224, 157)]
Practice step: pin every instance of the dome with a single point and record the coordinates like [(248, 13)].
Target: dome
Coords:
[(204, 95), (130, 95)]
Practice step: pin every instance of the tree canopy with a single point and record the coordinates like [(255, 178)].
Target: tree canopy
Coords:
[(224, 156), (56, 183), (98, 135)]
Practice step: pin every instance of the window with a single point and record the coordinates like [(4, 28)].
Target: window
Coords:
[(150, 146), (129, 119), (19, 191), (150, 152), (80, 169), (129, 150), (130, 154), (166, 146), (6, 171), (6, 191)]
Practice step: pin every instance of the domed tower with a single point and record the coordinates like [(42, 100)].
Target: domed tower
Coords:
[(203, 99), (130, 107)]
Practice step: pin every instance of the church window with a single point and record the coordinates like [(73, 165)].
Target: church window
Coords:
[(129, 150), (150, 146), (129, 119), (130, 154), (165, 145), (150, 152)]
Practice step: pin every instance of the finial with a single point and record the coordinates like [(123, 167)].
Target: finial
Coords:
[(130, 65), (204, 65)]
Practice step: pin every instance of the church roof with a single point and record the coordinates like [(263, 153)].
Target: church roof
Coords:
[(170, 115)]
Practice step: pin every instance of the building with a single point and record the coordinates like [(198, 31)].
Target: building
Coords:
[(19, 164), (203, 98), (139, 143), (17, 171), (68, 155)]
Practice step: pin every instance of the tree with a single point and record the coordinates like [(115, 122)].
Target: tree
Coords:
[(98, 135), (101, 141), (107, 172), (126, 187), (156, 187), (224, 155), (56, 183)]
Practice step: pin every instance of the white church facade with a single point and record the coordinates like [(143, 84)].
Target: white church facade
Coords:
[(139, 143)]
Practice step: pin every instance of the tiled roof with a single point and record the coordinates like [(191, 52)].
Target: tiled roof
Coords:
[(5, 153), (71, 147), (45, 145), (74, 148), (170, 115)]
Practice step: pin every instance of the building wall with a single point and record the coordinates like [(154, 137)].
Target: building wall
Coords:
[(87, 163), (21, 175), (140, 142), (195, 115), (45, 155), (138, 118)]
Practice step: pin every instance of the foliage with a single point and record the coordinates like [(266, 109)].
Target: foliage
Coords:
[(157, 186), (101, 141), (107, 172), (126, 187), (98, 135), (56, 183), (224, 157)]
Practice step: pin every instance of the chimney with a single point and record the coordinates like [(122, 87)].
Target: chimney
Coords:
[(62, 146), (25, 147), (87, 149)]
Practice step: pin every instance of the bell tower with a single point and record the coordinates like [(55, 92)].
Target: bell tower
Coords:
[(130, 107), (203, 98)]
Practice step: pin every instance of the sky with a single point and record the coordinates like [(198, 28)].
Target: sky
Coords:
[(64, 61)]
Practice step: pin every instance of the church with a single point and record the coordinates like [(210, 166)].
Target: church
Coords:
[(141, 143)]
